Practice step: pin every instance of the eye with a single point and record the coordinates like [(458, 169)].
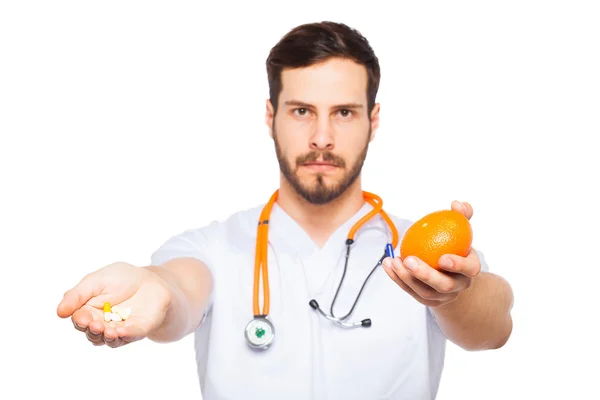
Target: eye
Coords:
[(346, 113), (301, 111)]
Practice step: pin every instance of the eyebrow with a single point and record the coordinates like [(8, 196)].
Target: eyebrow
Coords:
[(303, 104)]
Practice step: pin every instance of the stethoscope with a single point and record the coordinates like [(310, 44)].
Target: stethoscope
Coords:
[(260, 331)]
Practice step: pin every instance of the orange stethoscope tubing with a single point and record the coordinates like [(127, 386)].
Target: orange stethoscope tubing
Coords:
[(262, 241)]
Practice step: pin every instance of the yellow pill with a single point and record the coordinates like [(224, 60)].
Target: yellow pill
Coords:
[(106, 307)]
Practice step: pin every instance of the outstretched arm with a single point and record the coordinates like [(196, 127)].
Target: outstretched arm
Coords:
[(479, 318), (471, 307), (191, 284)]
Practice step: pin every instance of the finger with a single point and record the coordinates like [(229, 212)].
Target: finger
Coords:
[(424, 291), (427, 296), (97, 327), (463, 207), (441, 282), (97, 338), (81, 319), (421, 288), (468, 266), (414, 295), (392, 274), (131, 331), (114, 343), (77, 296), (389, 270), (110, 332), (111, 337)]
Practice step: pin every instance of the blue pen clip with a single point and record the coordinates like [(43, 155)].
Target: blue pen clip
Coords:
[(389, 250)]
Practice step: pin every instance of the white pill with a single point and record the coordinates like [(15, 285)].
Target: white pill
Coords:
[(115, 317), (124, 313), (107, 316)]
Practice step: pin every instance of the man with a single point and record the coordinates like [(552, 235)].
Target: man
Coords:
[(321, 115)]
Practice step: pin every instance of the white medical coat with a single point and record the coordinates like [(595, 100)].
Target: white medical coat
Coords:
[(400, 356)]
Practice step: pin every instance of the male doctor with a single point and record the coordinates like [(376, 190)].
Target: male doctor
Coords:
[(321, 114)]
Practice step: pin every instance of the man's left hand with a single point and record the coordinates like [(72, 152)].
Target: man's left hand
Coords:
[(435, 287)]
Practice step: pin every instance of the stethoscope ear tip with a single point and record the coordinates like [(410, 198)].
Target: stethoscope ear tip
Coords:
[(313, 303), (366, 322)]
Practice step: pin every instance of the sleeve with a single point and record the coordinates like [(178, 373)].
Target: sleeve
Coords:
[(192, 243), (484, 265)]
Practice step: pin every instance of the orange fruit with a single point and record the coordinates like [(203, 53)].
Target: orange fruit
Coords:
[(441, 232)]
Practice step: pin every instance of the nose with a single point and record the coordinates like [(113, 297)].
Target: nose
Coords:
[(322, 138)]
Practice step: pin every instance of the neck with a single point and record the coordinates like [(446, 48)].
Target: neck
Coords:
[(320, 221)]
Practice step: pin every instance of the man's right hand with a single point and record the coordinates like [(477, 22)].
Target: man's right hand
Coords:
[(120, 284)]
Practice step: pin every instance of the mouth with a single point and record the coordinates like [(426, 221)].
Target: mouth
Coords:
[(320, 166), (319, 163)]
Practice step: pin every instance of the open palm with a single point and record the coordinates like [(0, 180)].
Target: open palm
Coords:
[(122, 285)]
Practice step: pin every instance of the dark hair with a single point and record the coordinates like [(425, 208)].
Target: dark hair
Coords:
[(313, 43)]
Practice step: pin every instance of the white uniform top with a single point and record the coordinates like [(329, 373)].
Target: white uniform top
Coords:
[(399, 357)]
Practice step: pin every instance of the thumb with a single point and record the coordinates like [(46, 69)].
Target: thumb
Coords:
[(77, 296), (463, 207)]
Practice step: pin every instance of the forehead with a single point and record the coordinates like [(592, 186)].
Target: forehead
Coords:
[(334, 81)]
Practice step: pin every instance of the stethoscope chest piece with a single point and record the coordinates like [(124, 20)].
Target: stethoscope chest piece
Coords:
[(259, 333)]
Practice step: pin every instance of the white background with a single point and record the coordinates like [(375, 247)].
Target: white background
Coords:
[(124, 123)]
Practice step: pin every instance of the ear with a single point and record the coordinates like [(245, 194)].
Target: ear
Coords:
[(269, 115), (374, 120)]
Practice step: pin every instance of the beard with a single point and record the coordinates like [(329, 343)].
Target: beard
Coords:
[(318, 191)]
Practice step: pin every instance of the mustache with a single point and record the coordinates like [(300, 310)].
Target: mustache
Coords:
[(326, 156)]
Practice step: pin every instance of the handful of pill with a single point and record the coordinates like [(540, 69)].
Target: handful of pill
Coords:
[(116, 313)]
